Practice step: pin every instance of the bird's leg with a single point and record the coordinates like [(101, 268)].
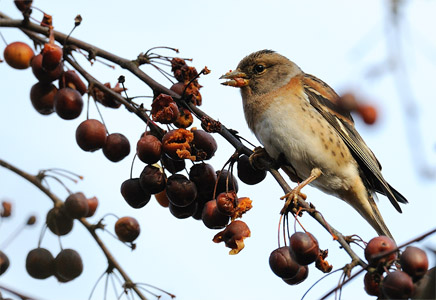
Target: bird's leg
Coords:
[(292, 196)]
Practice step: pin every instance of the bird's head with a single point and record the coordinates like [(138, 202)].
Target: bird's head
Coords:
[(261, 72)]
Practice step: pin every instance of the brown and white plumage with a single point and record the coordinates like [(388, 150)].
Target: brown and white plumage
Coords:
[(296, 116)]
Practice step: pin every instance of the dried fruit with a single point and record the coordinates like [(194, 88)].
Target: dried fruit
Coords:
[(18, 55), (40, 263), (164, 110), (185, 119), (177, 144), (305, 247), (172, 165), (133, 193), (127, 229), (105, 98), (226, 202), (91, 135), (233, 236), (68, 265)]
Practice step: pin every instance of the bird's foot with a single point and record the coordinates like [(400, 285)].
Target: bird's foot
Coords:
[(292, 196)]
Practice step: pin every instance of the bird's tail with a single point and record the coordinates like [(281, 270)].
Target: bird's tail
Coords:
[(376, 220)]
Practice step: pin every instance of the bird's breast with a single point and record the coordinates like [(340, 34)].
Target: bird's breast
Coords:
[(292, 126)]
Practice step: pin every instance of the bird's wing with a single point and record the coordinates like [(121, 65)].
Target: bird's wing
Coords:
[(324, 100)]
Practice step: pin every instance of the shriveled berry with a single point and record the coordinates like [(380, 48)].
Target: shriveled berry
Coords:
[(226, 202), (177, 144), (282, 263), (134, 194), (127, 229), (398, 285), (414, 262), (377, 247), (76, 205), (180, 190), (40, 263), (247, 173), (212, 217), (185, 119), (305, 247), (233, 236), (68, 265), (91, 135), (117, 147), (58, 221), (152, 179), (164, 109)]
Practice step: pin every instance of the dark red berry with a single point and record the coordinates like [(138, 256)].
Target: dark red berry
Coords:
[(301, 275), (377, 247), (127, 229), (58, 221), (152, 179), (247, 173), (40, 263), (134, 194), (117, 147), (398, 285), (282, 263), (68, 265), (91, 135), (305, 247), (212, 217), (414, 262)]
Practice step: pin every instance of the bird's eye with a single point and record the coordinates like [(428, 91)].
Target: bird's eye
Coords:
[(259, 68)]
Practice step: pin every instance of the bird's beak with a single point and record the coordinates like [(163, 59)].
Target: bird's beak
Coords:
[(236, 79)]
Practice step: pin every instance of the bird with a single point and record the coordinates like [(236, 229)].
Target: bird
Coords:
[(298, 120)]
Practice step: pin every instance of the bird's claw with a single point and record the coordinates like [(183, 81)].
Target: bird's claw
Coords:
[(291, 200)]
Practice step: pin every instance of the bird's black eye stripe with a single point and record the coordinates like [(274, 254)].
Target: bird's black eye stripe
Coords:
[(259, 68)]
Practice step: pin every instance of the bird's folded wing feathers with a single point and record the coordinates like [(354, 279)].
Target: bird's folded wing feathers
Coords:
[(343, 123)]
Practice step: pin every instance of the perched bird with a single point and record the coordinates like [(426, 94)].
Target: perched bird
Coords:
[(296, 116)]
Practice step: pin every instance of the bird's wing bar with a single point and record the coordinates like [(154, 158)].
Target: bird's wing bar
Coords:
[(363, 155)]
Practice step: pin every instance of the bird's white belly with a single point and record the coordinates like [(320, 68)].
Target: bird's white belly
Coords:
[(307, 141)]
